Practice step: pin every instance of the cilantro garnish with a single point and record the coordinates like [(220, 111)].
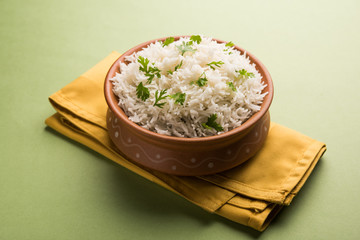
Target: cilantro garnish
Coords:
[(144, 63), (211, 123), (150, 71), (186, 47), (217, 64), (153, 71), (202, 80), (168, 41), (229, 44), (176, 67), (231, 86), (178, 97), (159, 97), (244, 73), (179, 65), (142, 92), (195, 38)]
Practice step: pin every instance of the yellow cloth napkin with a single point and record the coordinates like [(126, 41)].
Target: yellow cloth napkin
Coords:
[(250, 194)]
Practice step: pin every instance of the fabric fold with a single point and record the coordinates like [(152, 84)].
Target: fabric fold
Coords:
[(250, 194), (285, 172)]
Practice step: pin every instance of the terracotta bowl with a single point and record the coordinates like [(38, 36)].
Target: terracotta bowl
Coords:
[(187, 156)]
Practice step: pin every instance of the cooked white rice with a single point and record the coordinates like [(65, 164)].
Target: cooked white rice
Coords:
[(217, 96)]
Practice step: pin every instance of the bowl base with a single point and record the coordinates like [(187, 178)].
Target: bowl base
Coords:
[(183, 163)]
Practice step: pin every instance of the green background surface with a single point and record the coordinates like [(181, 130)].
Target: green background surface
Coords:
[(54, 188)]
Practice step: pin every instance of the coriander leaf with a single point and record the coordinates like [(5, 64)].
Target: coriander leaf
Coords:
[(196, 38), (150, 71), (229, 44), (244, 73), (159, 97), (144, 63), (185, 47), (176, 67), (211, 123), (142, 92), (231, 86), (150, 77), (229, 53), (178, 97), (202, 80), (167, 41), (179, 65), (217, 64), (251, 75)]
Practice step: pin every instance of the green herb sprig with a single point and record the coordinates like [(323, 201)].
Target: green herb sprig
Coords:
[(228, 46), (150, 71), (186, 47), (167, 41), (231, 86), (244, 73), (160, 96), (178, 97), (212, 124), (142, 92), (144, 63), (201, 81), (195, 38), (176, 67), (216, 64)]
